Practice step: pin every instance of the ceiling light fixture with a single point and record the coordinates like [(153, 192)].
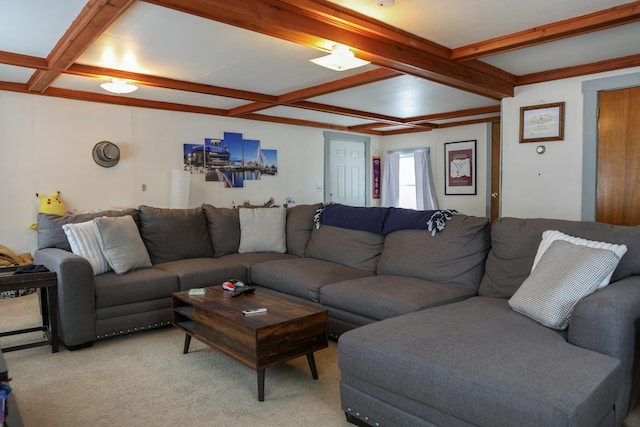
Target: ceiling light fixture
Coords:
[(119, 86), (341, 58)]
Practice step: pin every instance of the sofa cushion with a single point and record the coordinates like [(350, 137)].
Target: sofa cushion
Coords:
[(565, 274), (262, 230), (381, 297), (354, 248), (204, 272), (171, 234), (51, 234), (302, 277), (550, 236), (299, 227), (515, 241), (499, 369), (83, 239), (456, 255), (145, 284), (224, 229), (121, 243)]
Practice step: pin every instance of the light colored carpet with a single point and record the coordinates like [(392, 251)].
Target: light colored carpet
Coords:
[(145, 380)]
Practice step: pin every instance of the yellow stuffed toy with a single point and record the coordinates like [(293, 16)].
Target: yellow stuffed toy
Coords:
[(51, 204)]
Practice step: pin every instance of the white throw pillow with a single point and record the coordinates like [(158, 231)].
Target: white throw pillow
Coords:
[(565, 274), (121, 243), (83, 240), (262, 230), (550, 236)]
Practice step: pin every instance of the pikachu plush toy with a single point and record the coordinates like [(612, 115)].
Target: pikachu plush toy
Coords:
[(50, 204)]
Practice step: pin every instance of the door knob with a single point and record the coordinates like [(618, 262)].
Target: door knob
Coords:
[(494, 195)]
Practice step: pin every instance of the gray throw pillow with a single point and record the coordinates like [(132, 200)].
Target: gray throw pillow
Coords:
[(121, 243), (565, 274), (262, 230), (224, 229)]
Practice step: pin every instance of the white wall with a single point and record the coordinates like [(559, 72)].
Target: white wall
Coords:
[(547, 185), (46, 146), (435, 140)]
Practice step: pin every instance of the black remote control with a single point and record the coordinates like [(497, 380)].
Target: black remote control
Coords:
[(246, 289)]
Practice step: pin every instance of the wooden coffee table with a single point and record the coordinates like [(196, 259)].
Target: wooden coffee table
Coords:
[(289, 329)]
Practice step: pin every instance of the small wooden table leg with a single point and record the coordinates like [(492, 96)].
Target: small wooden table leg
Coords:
[(187, 341), (312, 365), (261, 385)]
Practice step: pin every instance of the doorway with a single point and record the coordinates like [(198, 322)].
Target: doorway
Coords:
[(618, 157), (346, 169)]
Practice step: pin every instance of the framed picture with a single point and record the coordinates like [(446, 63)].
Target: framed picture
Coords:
[(542, 123), (460, 168)]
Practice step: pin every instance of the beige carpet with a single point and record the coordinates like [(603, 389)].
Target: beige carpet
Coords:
[(145, 380)]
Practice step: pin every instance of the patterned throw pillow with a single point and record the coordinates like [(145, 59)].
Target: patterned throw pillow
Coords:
[(550, 236), (565, 274), (83, 240)]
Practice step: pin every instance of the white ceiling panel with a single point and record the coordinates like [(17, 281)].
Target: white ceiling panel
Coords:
[(592, 47), (33, 27), (88, 84), (13, 74), (405, 97)]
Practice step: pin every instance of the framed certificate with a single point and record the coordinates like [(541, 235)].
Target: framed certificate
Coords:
[(542, 123)]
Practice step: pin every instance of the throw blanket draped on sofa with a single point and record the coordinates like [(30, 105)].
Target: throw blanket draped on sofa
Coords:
[(382, 220)]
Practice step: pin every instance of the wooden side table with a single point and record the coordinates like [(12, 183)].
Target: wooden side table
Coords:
[(47, 285)]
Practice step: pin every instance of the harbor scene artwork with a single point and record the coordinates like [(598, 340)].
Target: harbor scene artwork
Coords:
[(231, 160)]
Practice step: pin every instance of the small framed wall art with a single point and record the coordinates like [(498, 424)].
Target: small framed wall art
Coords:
[(460, 168), (542, 122)]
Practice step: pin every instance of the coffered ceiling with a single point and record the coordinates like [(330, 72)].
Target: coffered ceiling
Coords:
[(433, 64)]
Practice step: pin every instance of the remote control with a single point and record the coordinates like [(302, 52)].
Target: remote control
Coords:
[(243, 290), (254, 311), (196, 291)]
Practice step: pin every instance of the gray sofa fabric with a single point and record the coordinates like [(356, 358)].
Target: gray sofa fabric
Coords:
[(500, 369)]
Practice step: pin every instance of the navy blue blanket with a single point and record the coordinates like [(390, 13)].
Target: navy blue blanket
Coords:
[(382, 220)]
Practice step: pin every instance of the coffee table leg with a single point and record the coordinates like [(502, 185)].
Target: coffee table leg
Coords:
[(187, 341), (261, 385), (312, 365)]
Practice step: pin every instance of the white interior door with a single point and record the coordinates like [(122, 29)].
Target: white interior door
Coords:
[(347, 169)]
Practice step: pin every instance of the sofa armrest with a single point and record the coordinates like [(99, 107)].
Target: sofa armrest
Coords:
[(76, 294), (608, 322)]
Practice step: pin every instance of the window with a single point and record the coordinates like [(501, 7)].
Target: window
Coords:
[(407, 181)]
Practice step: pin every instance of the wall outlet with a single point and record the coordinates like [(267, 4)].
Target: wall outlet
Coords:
[(319, 188)]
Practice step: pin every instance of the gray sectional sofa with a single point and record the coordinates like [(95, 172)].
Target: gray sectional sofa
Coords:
[(426, 332)]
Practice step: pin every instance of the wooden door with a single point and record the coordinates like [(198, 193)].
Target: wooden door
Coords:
[(495, 171), (617, 200)]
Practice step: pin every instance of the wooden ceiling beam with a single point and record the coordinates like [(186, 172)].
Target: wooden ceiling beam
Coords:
[(26, 61), (597, 21), (320, 24), (94, 18), (166, 83), (492, 119), (322, 89), (581, 70), (455, 114)]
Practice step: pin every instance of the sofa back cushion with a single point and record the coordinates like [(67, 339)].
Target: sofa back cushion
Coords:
[(515, 241), (172, 234), (51, 234), (355, 248), (456, 255), (299, 227), (224, 229)]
